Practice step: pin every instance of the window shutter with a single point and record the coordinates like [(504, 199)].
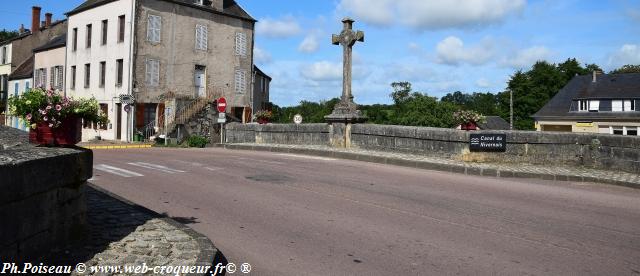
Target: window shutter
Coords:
[(60, 77), (43, 81), (241, 44), (37, 77), (158, 28), (240, 81), (198, 37), (204, 38), (154, 26), (148, 72), (156, 72)]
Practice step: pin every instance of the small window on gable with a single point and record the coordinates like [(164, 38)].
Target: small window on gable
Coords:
[(616, 105), (594, 105), (583, 105)]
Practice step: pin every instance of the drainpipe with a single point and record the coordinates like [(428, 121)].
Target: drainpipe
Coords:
[(130, 119)]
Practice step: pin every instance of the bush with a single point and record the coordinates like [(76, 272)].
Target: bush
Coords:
[(197, 141)]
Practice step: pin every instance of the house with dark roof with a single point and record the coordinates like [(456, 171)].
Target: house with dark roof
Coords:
[(600, 103), (261, 86), (159, 52), (49, 61)]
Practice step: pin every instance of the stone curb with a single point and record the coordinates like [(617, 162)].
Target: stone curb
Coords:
[(209, 255), (432, 165), (117, 147)]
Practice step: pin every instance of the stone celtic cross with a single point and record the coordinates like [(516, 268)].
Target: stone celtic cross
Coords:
[(347, 39), (346, 111)]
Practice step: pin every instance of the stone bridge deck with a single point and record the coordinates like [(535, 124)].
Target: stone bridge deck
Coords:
[(558, 173)]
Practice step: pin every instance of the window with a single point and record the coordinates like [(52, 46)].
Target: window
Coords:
[(616, 105), (618, 131), (594, 105), (121, 28), (201, 37), (119, 69), (241, 44), (152, 76), (103, 69), (73, 77), (87, 75), (633, 131), (26, 86), (4, 55), (41, 77), (241, 81), (629, 105), (16, 89), (154, 26), (584, 105), (74, 42), (57, 75), (89, 36), (105, 28)]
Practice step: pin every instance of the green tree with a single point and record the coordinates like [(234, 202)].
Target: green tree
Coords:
[(401, 91), (626, 69), (6, 35)]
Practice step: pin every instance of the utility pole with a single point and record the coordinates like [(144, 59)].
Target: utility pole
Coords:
[(510, 109)]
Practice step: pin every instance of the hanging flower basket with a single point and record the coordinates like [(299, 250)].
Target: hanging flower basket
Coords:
[(67, 134)]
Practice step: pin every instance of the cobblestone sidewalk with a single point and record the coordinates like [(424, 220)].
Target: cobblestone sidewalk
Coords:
[(124, 234), (559, 173)]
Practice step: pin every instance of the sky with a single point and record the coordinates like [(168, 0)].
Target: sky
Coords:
[(439, 46)]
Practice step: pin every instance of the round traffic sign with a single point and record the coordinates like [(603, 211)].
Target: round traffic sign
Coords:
[(297, 119), (222, 105)]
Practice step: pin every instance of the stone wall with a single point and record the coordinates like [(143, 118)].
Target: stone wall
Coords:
[(303, 134), (42, 204), (601, 151)]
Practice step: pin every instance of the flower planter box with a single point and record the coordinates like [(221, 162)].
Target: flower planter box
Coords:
[(67, 134), (262, 121), (469, 126)]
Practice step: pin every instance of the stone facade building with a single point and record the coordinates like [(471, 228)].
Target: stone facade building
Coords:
[(158, 50)]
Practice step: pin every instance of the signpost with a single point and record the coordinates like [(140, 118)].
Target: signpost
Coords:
[(488, 142), (297, 119), (222, 116)]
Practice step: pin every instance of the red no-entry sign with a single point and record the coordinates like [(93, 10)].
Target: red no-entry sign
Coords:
[(222, 105)]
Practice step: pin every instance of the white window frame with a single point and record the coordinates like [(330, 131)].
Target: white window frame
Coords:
[(202, 37), (583, 105), (617, 105), (241, 44), (152, 72), (154, 28), (626, 105), (594, 105), (240, 81)]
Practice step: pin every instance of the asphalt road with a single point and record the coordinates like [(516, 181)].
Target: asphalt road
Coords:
[(302, 215)]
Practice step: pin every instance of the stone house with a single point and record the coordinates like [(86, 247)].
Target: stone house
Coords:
[(601, 103), (16, 51), (20, 80), (261, 86), (158, 51)]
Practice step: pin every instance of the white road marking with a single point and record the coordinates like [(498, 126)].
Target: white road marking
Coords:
[(116, 171), (308, 157), (195, 164), (155, 167), (261, 161)]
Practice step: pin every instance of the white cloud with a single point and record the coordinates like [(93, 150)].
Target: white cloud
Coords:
[(309, 44), (627, 54), (280, 28), (431, 14), (483, 83), (525, 58), (452, 51), (322, 71), (261, 56)]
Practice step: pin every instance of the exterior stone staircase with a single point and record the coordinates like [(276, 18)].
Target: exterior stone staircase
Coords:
[(182, 115)]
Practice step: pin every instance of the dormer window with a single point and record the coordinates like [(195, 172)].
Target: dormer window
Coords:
[(583, 105)]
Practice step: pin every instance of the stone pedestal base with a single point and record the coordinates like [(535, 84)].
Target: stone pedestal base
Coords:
[(344, 115)]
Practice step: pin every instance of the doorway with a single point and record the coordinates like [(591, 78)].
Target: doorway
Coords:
[(118, 121), (200, 81)]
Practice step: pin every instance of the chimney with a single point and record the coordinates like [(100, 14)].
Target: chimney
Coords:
[(35, 19), (595, 76), (217, 4), (47, 19)]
